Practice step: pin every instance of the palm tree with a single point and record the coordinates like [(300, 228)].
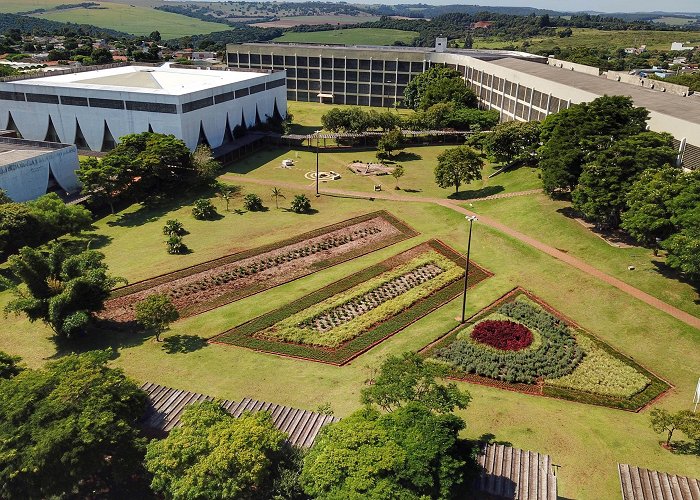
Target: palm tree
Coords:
[(277, 194), (227, 192)]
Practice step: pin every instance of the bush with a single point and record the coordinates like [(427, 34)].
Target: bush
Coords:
[(203, 209), (173, 227), (175, 245), (301, 204), (503, 335), (252, 202)]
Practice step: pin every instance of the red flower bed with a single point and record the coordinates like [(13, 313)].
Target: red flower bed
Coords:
[(504, 335)]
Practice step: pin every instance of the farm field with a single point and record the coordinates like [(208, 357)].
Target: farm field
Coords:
[(547, 220), (592, 38), (289, 21), (352, 36), (134, 19)]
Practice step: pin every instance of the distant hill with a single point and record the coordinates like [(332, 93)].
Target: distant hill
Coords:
[(37, 26)]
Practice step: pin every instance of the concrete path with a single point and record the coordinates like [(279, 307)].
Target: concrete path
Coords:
[(683, 316)]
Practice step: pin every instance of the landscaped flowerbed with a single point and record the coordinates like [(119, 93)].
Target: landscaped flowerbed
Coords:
[(342, 320), (561, 359), (214, 283)]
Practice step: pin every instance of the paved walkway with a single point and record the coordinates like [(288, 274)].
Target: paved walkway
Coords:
[(683, 316)]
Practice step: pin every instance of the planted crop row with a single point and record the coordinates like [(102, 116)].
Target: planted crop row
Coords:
[(271, 262), (405, 231), (244, 335)]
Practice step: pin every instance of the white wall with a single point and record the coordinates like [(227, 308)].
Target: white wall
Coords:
[(28, 179)]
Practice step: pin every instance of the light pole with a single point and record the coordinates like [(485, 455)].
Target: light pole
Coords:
[(471, 219), (317, 193)]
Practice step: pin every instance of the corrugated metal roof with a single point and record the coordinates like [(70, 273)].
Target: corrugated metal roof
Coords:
[(643, 484), (165, 407), (517, 474)]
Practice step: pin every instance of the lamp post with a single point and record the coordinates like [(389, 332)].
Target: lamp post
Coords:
[(471, 219), (317, 193)]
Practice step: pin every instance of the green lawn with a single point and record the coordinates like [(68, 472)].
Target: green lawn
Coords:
[(544, 219), (586, 441), (133, 19), (593, 38), (418, 180), (351, 36), (307, 115)]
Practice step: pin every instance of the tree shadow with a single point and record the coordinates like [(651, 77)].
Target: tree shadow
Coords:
[(687, 447), (491, 439), (477, 193), (89, 241), (103, 334), (183, 344), (406, 156), (252, 162), (413, 190), (668, 272), (311, 211)]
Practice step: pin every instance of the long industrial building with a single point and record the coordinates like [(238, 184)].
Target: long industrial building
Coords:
[(93, 109), (518, 85)]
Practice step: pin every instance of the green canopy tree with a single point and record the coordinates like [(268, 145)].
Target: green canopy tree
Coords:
[(664, 422), (410, 453), (156, 312), (70, 429), (450, 90), (216, 456), (574, 136), (457, 166), (104, 180), (410, 379), (58, 218), (413, 93), (19, 226), (391, 141), (513, 141), (60, 288), (601, 193)]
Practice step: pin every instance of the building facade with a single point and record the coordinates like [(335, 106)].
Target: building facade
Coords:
[(93, 109), (518, 85), (29, 169)]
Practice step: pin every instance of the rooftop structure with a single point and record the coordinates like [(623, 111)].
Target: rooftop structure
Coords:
[(93, 109), (643, 484), (28, 169)]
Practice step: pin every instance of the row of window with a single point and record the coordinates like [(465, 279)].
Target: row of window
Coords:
[(152, 107), (348, 76), (257, 60), (349, 88)]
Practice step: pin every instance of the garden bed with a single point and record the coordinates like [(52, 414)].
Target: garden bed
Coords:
[(339, 322), (214, 283), (564, 361)]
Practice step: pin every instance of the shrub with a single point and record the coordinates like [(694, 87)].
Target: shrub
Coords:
[(203, 209), (252, 202), (173, 227), (504, 335), (301, 204), (175, 245)]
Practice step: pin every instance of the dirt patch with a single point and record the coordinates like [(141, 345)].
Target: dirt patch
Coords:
[(359, 168), (614, 238), (207, 287)]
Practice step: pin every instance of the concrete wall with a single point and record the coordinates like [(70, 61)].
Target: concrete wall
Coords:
[(658, 85), (581, 68), (28, 179)]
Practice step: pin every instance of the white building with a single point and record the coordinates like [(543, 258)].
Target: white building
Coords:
[(29, 169), (93, 109), (679, 46)]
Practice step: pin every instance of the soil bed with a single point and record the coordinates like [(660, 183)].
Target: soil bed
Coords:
[(215, 283)]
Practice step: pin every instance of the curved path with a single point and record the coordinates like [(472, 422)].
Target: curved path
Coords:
[(683, 316)]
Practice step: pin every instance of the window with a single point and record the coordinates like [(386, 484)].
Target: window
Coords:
[(243, 58), (377, 65), (303, 96), (291, 72), (11, 96), (376, 89), (278, 60), (402, 78), (302, 84), (390, 65), (404, 66), (351, 99), (351, 63), (151, 107), (377, 77), (338, 63), (233, 58), (327, 86), (314, 62), (289, 61), (389, 90), (338, 74), (226, 96), (314, 73), (302, 61), (326, 62), (363, 100), (365, 64), (314, 85), (302, 73), (241, 93), (255, 59), (74, 101), (291, 96), (254, 89), (375, 101), (327, 74), (192, 105), (416, 67), (338, 87), (275, 83), (291, 84), (108, 103), (363, 88), (266, 59), (351, 87)]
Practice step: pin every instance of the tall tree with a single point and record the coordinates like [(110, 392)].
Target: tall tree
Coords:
[(413, 92), (457, 166), (58, 218), (513, 141), (214, 455), (453, 90), (391, 141), (574, 136), (104, 180), (156, 312), (604, 183), (70, 430), (60, 288), (664, 422), (408, 378), (410, 453)]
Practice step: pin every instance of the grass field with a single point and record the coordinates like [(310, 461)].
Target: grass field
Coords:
[(289, 21), (352, 36), (130, 19), (592, 38)]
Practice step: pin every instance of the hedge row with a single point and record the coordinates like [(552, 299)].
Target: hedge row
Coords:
[(243, 335), (405, 232)]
